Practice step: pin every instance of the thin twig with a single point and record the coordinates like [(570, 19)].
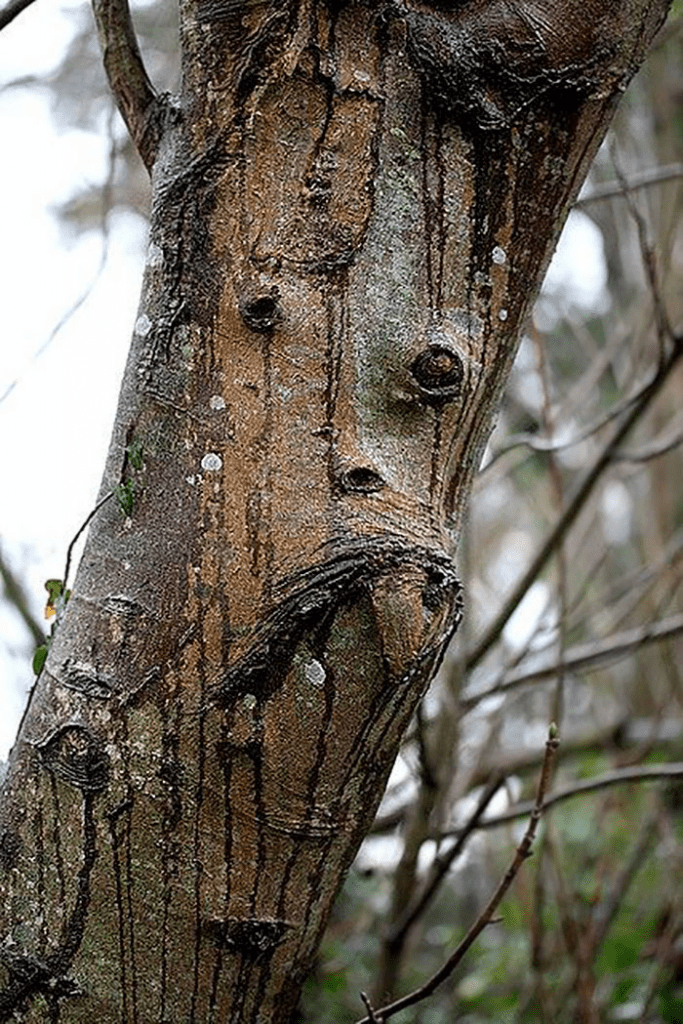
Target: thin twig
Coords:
[(14, 593), (620, 737), (575, 505), (620, 188), (648, 256), (663, 954), (485, 918), (545, 445), (629, 590), (368, 1006), (618, 777), (443, 862), (659, 446), (91, 515), (88, 290), (557, 485), (608, 908), (584, 657)]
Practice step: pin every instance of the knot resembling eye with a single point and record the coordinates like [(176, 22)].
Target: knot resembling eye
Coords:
[(261, 312), (438, 371), (361, 480)]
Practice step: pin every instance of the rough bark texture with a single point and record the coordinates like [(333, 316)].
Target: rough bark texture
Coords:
[(353, 206)]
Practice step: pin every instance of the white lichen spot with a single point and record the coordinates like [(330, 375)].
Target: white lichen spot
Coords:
[(143, 325), (503, 315), (217, 402), (498, 256), (315, 673), (155, 255), (249, 702), (191, 480), (212, 462)]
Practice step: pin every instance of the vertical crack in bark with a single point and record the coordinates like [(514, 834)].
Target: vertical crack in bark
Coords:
[(198, 856), (31, 975)]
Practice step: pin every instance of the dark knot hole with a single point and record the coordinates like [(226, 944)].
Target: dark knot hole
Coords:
[(361, 480), (261, 312), (439, 371)]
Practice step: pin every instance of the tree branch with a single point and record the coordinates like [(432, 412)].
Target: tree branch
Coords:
[(576, 503), (443, 862), (608, 908), (661, 445), (135, 96), (611, 189), (619, 737), (11, 10), (585, 656), (618, 777), (14, 593), (523, 851)]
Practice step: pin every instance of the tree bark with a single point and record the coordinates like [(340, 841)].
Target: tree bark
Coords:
[(353, 207)]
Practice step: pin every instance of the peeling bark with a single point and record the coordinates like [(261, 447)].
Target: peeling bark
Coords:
[(353, 207)]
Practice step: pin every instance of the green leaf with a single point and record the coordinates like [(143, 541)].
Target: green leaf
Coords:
[(54, 589), (39, 658)]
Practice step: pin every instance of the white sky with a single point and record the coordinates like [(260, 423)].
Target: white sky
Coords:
[(55, 422)]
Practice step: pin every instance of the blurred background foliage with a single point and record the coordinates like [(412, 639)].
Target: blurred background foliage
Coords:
[(592, 930)]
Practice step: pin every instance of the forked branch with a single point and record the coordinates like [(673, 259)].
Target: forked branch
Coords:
[(379, 1016), (135, 95)]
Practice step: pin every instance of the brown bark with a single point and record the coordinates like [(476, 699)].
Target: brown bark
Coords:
[(353, 206)]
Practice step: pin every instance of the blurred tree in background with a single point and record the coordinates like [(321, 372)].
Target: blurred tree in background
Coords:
[(572, 566)]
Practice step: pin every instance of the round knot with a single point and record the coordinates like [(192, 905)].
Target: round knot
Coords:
[(438, 371)]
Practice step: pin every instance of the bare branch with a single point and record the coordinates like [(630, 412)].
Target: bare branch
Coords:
[(549, 445), (648, 256), (443, 862), (660, 446), (611, 190), (585, 657), (486, 917), (11, 10), (91, 515), (576, 503), (135, 96), (608, 908), (14, 592), (368, 1006), (620, 737), (88, 290), (618, 777)]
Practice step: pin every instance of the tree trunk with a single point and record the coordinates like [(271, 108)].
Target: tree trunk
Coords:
[(353, 206)]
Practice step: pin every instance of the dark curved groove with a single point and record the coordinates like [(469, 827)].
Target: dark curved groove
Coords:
[(313, 593)]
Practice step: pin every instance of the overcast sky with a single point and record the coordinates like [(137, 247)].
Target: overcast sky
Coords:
[(57, 401)]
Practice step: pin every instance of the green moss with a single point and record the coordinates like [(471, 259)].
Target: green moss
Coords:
[(125, 497), (134, 451)]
